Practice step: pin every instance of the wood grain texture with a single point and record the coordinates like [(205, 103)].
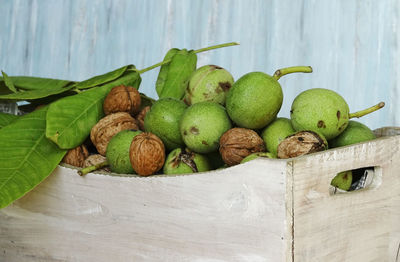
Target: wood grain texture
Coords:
[(353, 46), (236, 214), (363, 225)]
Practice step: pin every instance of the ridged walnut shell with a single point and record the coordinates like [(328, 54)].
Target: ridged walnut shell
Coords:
[(76, 156), (122, 99), (140, 117), (237, 143), (301, 143), (147, 154), (109, 126)]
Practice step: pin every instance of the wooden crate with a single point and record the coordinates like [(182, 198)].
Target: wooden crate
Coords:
[(263, 210)]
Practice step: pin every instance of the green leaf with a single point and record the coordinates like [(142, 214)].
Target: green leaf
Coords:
[(102, 79), (31, 88), (35, 94), (32, 83), (181, 67), (8, 82), (27, 157), (6, 119), (4, 89), (70, 119), (162, 75)]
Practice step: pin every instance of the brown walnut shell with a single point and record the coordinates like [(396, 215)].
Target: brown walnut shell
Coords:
[(109, 126), (140, 117), (147, 154), (76, 156), (122, 99), (301, 143), (237, 143)]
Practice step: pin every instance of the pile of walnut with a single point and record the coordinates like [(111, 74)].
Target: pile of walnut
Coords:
[(122, 108)]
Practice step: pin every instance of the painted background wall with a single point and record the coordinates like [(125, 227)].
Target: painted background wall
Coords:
[(353, 45)]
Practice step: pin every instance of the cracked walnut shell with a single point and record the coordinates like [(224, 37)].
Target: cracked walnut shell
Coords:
[(147, 154), (76, 156), (301, 143), (237, 143), (122, 99), (109, 126)]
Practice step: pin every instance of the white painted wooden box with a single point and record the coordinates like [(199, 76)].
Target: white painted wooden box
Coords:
[(263, 210)]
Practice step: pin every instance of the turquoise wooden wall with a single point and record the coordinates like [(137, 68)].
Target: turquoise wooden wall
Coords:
[(353, 45)]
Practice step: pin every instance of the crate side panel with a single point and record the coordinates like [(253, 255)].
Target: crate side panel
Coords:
[(363, 225), (235, 214)]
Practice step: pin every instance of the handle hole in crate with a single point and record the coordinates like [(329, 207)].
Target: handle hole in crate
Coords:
[(361, 179)]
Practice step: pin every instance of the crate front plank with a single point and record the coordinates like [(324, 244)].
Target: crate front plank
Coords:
[(362, 225), (235, 214)]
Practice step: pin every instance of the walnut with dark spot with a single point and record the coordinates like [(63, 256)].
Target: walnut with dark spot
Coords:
[(338, 115), (225, 86), (76, 156), (208, 83), (147, 154), (237, 143), (122, 99), (194, 130), (321, 124), (301, 143), (109, 126)]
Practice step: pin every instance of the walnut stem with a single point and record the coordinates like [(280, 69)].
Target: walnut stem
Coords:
[(294, 69), (195, 51), (89, 169), (367, 111)]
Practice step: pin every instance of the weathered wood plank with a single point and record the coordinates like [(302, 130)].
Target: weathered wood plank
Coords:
[(362, 225), (235, 214)]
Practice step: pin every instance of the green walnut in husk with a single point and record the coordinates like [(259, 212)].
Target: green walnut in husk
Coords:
[(355, 132), (163, 121), (256, 98), (343, 180), (117, 152), (208, 83), (202, 125), (182, 161), (324, 111), (276, 132), (176, 69)]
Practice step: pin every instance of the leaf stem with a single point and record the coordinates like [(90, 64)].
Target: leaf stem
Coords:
[(294, 69), (195, 51), (367, 111), (215, 47), (77, 90), (89, 169)]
